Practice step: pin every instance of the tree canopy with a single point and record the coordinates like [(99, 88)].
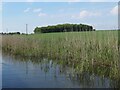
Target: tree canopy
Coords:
[(64, 28)]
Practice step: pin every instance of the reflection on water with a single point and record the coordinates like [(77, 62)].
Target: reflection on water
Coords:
[(43, 73), (0, 70)]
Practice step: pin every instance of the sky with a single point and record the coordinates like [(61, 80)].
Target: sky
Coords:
[(60, 0), (15, 15)]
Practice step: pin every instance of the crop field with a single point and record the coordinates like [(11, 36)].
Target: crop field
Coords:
[(92, 51)]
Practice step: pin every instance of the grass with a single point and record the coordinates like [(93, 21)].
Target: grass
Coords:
[(95, 51)]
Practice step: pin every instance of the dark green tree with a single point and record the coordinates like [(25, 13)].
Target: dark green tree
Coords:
[(64, 28)]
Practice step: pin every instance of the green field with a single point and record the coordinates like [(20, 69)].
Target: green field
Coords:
[(93, 51)]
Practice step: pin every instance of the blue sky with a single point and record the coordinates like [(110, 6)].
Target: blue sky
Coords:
[(60, 0), (101, 15)]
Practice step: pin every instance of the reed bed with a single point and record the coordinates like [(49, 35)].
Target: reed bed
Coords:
[(94, 51)]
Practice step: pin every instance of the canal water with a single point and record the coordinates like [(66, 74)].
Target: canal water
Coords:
[(43, 73), (0, 70)]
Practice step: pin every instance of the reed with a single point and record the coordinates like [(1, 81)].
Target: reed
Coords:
[(94, 51)]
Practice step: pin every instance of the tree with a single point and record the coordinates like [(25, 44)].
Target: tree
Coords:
[(64, 28)]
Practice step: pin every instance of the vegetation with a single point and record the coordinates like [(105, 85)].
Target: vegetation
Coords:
[(64, 28), (94, 52), (10, 33)]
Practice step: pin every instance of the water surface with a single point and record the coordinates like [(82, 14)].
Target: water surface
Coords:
[(43, 73)]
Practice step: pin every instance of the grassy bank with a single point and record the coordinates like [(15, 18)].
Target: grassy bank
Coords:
[(82, 50)]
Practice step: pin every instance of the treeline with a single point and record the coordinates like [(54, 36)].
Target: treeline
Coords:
[(10, 33), (64, 28)]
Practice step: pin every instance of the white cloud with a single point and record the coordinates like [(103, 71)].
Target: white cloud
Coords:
[(27, 10), (98, 0), (30, 0), (37, 10), (74, 0), (86, 13), (114, 11), (91, 1), (0, 6), (42, 14), (83, 14), (103, 0)]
